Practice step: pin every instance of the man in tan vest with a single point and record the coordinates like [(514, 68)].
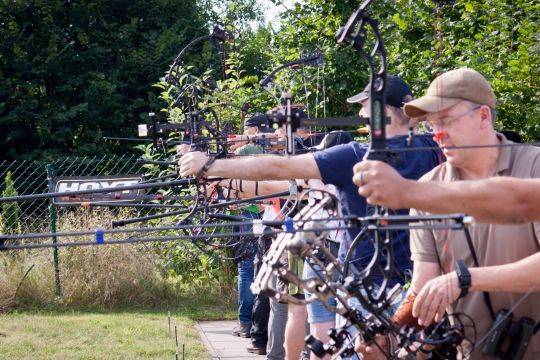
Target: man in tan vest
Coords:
[(460, 106)]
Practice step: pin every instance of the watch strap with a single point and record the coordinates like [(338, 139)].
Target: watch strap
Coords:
[(464, 278)]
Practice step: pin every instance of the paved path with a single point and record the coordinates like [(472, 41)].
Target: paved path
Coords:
[(216, 336)]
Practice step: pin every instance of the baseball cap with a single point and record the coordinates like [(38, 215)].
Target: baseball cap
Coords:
[(449, 89), (258, 119), (396, 91)]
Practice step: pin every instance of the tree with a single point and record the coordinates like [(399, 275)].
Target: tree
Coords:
[(498, 38), (72, 72)]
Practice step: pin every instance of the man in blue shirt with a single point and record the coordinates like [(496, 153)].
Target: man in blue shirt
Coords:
[(334, 166)]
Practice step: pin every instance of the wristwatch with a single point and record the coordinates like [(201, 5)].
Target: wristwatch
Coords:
[(464, 278)]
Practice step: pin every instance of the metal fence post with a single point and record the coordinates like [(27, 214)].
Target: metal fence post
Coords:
[(52, 219)]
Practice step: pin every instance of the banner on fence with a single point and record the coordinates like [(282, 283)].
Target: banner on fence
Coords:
[(78, 183)]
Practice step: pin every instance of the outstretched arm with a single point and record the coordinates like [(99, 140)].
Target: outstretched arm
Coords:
[(249, 188), (493, 200), (253, 168)]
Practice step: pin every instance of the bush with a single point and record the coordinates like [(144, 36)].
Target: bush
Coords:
[(109, 276), (9, 217)]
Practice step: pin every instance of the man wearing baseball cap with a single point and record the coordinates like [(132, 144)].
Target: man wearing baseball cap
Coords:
[(255, 126), (482, 278), (334, 166), (398, 92)]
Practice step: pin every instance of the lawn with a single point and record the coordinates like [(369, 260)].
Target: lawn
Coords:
[(36, 324), (97, 335)]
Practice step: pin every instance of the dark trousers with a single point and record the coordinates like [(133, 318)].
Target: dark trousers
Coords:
[(261, 305), (259, 326)]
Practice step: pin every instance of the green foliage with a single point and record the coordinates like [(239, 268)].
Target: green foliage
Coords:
[(72, 72), (233, 91), (498, 38), (9, 217), (192, 270)]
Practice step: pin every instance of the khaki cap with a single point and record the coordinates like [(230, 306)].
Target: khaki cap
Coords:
[(449, 89)]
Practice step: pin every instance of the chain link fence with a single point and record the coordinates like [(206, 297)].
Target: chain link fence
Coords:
[(43, 216), (143, 273), (102, 275), (33, 177)]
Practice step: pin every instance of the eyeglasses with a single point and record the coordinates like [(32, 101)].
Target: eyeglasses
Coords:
[(449, 121)]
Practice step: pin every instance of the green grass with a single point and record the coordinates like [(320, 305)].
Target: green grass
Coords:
[(98, 333), (102, 334), (85, 321)]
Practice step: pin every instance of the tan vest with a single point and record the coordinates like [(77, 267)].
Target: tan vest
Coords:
[(494, 245)]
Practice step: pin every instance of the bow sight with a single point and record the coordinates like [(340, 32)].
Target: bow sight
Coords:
[(158, 132), (190, 133)]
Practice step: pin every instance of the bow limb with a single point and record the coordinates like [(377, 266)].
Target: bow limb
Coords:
[(375, 299)]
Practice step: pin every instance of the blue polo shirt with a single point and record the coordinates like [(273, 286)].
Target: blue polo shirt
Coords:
[(336, 164)]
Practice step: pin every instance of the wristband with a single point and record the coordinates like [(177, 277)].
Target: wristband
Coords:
[(206, 167)]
